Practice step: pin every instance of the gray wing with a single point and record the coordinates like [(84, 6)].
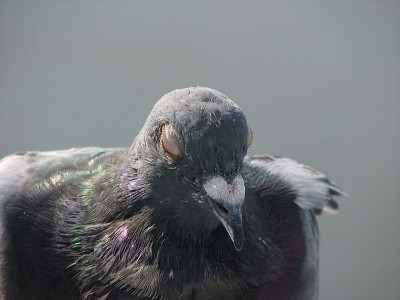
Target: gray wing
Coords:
[(313, 193), (20, 171), (19, 168), (313, 189)]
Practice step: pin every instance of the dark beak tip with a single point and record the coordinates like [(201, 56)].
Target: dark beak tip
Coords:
[(238, 238), (232, 221), (238, 246)]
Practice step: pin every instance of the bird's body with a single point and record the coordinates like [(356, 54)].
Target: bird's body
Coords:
[(175, 216)]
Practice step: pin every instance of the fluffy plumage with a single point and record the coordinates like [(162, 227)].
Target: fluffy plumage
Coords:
[(188, 217)]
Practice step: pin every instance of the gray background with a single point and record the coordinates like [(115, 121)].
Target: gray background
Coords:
[(319, 81)]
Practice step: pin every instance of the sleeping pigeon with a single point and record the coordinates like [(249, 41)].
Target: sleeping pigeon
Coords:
[(182, 214)]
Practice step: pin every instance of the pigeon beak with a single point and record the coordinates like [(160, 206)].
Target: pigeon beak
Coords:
[(232, 221), (226, 202)]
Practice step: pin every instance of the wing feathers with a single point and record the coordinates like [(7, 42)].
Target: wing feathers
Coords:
[(19, 168), (313, 189)]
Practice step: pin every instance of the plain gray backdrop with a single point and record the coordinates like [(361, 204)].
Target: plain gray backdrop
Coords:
[(319, 82)]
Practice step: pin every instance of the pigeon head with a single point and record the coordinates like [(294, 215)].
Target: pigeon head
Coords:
[(194, 142)]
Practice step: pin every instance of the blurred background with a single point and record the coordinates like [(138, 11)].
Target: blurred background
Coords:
[(319, 82)]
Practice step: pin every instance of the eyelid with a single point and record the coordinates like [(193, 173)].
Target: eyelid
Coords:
[(169, 142)]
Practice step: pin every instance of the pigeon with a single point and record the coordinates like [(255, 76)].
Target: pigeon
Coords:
[(183, 213)]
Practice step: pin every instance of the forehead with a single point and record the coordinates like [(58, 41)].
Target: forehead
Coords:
[(214, 138), (215, 149), (212, 128), (207, 119), (197, 107)]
